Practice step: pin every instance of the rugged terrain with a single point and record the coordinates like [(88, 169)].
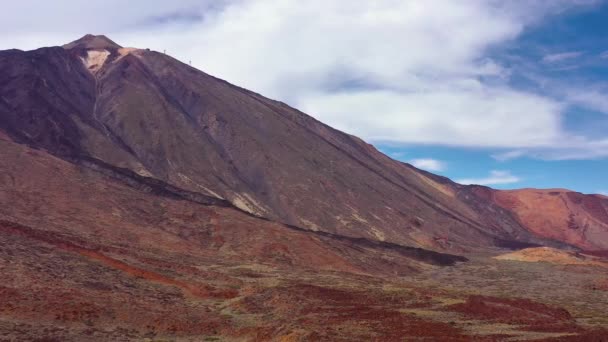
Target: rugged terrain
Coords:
[(141, 199)]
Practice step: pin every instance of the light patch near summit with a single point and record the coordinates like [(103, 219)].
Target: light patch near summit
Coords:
[(122, 52), (95, 59)]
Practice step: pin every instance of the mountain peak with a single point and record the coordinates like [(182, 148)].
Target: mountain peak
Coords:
[(93, 42)]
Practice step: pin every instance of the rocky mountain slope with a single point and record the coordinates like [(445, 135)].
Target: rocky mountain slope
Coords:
[(79, 241), (147, 112)]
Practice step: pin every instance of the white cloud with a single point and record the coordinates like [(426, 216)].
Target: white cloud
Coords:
[(476, 117), (603, 192), (590, 98), (509, 155), (604, 54), (496, 177), (394, 70), (428, 164), (570, 148), (99, 17), (30, 24), (399, 155), (559, 57), (576, 149)]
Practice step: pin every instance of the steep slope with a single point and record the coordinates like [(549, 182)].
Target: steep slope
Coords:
[(47, 199), (147, 112)]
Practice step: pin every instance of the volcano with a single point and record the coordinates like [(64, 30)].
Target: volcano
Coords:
[(128, 176)]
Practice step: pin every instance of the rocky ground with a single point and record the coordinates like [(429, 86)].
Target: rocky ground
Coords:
[(85, 256), (59, 297)]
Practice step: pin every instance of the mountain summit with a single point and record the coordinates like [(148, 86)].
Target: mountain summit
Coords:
[(90, 41)]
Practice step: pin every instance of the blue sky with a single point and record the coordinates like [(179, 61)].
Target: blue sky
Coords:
[(477, 164), (569, 48), (509, 94)]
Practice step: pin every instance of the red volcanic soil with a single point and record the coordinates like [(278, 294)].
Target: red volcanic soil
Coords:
[(197, 290), (600, 285), (536, 316), (86, 243), (601, 254), (589, 336), (327, 314)]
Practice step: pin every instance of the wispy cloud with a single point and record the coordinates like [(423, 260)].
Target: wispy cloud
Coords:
[(184, 17), (596, 99), (604, 54), (506, 156), (559, 57), (571, 147), (75, 17), (429, 164), (496, 177), (603, 192), (399, 155)]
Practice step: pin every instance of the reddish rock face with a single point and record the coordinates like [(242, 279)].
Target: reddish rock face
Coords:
[(577, 219), (560, 215)]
